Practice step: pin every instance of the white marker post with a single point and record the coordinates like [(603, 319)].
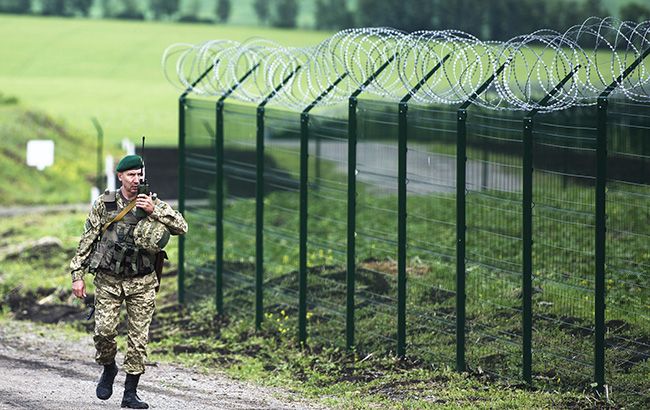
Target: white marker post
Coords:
[(110, 175)]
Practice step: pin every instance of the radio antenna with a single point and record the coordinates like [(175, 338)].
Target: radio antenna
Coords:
[(142, 169)]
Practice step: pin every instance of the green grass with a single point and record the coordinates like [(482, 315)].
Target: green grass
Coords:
[(33, 271), (563, 307), (74, 69), (345, 380), (269, 356), (68, 180), (367, 379)]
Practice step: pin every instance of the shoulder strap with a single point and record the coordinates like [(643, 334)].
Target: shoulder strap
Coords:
[(109, 200), (118, 216)]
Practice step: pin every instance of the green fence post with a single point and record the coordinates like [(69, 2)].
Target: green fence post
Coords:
[(352, 204), (219, 158), (259, 219), (601, 223), (259, 203), (461, 217), (402, 127), (181, 181), (461, 228), (401, 227), (100, 154), (527, 243), (600, 243), (181, 197), (352, 216), (302, 268), (219, 147), (304, 170), (527, 230)]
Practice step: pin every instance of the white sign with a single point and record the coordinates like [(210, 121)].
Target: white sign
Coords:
[(40, 153)]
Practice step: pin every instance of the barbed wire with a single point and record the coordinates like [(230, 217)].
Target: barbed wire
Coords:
[(523, 69)]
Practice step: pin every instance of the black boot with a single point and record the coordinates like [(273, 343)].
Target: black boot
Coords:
[(105, 384), (131, 399)]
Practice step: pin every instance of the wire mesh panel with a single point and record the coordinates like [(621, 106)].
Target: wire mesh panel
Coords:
[(431, 233), (200, 174), (376, 227), (564, 161), (239, 173), (493, 244), (327, 227), (562, 237), (628, 254), (281, 213)]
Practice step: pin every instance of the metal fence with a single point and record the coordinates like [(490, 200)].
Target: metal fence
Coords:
[(511, 243)]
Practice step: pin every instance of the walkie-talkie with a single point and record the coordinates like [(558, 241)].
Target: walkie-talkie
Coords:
[(143, 187)]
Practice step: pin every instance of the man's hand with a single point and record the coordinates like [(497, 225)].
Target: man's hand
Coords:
[(145, 202), (79, 288)]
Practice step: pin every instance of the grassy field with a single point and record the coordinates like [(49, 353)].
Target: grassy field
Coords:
[(270, 356), (68, 180), (75, 69)]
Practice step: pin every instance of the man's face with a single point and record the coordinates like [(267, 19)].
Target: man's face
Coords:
[(130, 180)]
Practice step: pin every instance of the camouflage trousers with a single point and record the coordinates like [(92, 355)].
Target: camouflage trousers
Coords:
[(140, 307)]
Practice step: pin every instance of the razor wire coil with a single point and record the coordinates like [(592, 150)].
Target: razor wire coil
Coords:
[(524, 69)]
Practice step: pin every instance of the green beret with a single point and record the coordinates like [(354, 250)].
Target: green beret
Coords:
[(129, 162)]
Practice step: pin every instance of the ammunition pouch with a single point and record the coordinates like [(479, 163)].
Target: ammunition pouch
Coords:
[(121, 259)]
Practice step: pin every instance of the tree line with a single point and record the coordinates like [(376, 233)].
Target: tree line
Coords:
[(277, 13), (495, 20)]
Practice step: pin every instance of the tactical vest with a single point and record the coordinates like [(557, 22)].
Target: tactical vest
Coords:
[(116, 253)]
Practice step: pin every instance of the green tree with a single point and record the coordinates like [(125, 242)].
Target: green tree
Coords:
[(593, 8), (223, 10), (80, 6), (262, 10), (333, 14), (562, 14), (163, 8), (506, 19), (498, 19), (107, 7), (635, 12), (190, 11), (130, 11), (285, 14), (53, 7), (407, 15), (15, 6), (553, 14), (465, 15)]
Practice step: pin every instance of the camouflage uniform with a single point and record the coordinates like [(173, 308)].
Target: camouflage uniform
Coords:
[(111, 289)]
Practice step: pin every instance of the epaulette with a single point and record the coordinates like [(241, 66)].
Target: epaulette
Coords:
[(109, 200)]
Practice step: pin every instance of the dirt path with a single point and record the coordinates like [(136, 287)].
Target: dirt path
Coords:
[(41, 368), (9, 211)]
